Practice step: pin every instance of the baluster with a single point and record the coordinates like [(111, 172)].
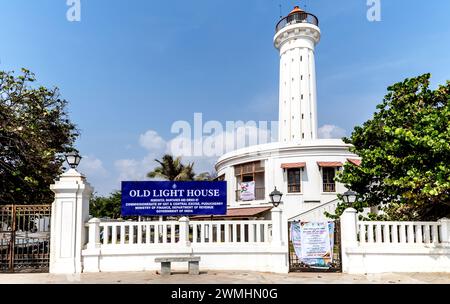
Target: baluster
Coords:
[(105, 234), (410, 233), (219, 233), (147, 234), (156, 233), (370, 233), (402, 233), (426, 238), (362, 233), (258, 233), (227, 233), (164, 231), (386, 233), (234, 233), (266, 233), (395, 233), (172, 233), (242, 233), (202, 233), (419, 233), (251, 233), (378, 233), (434, 231), (139, 234), (114, 234), (194, 233), (131, 234), (122, 234)]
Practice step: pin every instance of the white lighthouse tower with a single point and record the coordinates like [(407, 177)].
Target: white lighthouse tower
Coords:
[(296, 37), (300, 165)]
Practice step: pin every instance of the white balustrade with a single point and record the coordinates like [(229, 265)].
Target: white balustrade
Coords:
[(203, 232), (399, 232)]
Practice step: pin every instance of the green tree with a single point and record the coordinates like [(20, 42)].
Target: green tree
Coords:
[(173, 169), (405, 151), (108, 206), (35, 132)]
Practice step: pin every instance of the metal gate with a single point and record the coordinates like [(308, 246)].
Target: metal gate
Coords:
[(25, 238), (296, 265)]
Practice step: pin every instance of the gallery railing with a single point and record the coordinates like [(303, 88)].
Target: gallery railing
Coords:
[(300, 17)]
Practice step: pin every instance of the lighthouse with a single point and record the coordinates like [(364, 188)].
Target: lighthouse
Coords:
[(296, 37), (300, 165)]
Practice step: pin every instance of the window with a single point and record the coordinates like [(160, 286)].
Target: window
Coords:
[(250, 172), (294, 180), (328, 174)]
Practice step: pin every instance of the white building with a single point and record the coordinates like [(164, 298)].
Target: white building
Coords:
[(300, 165)]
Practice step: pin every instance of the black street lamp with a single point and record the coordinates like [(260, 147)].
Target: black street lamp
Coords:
[(275, 197), (349, 197), (73, 159)]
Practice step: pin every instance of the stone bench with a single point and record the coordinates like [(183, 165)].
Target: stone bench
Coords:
[(166, 262)]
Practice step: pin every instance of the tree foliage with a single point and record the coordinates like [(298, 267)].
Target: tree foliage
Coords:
[(405, 151), (109, 206), (34, 133), (173, 169)]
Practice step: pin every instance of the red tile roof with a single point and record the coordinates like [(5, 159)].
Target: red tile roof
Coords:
[(329, 164), (293, 165), (356, 162), (237, 212)]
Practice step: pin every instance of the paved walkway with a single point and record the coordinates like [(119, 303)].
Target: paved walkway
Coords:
[(226, 277)]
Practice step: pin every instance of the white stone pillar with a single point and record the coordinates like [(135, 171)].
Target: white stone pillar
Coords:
[(184, 232), (445, 231), (94, 234), (348, 235), (277, 237), (70, 212)]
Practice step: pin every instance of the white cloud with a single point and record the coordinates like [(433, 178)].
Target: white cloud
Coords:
[(331, 131), (152, 141), (92, 166), (129, 169)]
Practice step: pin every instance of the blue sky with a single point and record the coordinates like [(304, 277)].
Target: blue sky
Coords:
[(129, 67)]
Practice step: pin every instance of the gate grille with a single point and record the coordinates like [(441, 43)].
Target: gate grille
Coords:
[(25, 238), (296, 265)]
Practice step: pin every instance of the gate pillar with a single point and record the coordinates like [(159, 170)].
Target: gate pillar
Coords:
[(70, 212)]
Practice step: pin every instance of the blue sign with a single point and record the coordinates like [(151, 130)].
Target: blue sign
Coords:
[(174, 198)]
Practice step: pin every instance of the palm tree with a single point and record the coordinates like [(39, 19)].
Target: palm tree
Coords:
[(172, 169), (206, 176)]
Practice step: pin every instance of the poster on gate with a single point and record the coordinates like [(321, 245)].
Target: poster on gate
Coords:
[(313, 243)]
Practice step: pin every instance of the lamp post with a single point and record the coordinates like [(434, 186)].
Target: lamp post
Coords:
[(73, 159), (275, 197), (350, 197)]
